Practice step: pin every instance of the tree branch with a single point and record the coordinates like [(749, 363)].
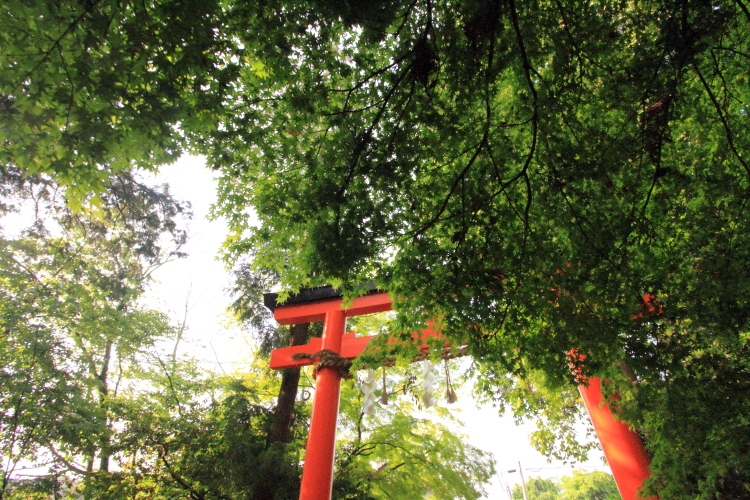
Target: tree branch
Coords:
[(722, 118), (56, 44)]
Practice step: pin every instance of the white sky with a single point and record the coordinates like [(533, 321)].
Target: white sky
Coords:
[(200, 281)]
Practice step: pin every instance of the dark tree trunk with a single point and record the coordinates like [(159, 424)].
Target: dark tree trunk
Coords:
[(282, 415), (104, 440)]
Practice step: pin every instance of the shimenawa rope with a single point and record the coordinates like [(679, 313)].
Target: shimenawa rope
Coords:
[(327, 359)]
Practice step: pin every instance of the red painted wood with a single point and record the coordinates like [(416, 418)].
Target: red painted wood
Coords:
[(315, 311), (351, 347), (317, 471), (626, 455), (282, 357)]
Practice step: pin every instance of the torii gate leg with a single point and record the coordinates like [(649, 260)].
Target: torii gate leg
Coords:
[(626, 455), (317, 472)]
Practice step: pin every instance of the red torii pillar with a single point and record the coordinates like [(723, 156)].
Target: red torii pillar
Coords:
[(626, 455), (622, 446)]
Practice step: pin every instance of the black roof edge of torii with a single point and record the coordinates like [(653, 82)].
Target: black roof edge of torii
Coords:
[(312, 295)]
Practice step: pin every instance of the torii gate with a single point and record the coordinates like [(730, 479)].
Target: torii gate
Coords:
[(622, 446)]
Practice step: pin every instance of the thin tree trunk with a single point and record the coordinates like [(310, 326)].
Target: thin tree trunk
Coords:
[(104, 451), (282, 415)]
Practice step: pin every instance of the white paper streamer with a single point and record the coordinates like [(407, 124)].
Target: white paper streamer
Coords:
[(427, 384), (368, 393)]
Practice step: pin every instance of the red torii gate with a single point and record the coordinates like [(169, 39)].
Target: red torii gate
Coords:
[(622, 446)]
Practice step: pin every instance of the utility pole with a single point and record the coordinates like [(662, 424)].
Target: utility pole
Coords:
[(523, 482)]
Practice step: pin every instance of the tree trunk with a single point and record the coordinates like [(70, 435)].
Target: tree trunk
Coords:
[(104, 441), (282, 415)]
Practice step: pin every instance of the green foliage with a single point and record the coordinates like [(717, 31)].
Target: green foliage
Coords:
[(594, 485), (557, 411), (94, 88), (537, 489), (179, 444), (395, 455), (528, 172), (248, 288), (73, 330), (700, 409)]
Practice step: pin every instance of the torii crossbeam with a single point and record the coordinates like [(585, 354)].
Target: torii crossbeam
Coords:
[(622, 446)]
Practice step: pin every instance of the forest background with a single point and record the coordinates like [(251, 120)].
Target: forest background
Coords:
[(547, 177)]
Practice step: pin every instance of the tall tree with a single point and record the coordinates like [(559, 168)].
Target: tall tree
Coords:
[(547, 177), (72, 322)]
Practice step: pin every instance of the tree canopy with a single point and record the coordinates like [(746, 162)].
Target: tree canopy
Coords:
[(543, 176)]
